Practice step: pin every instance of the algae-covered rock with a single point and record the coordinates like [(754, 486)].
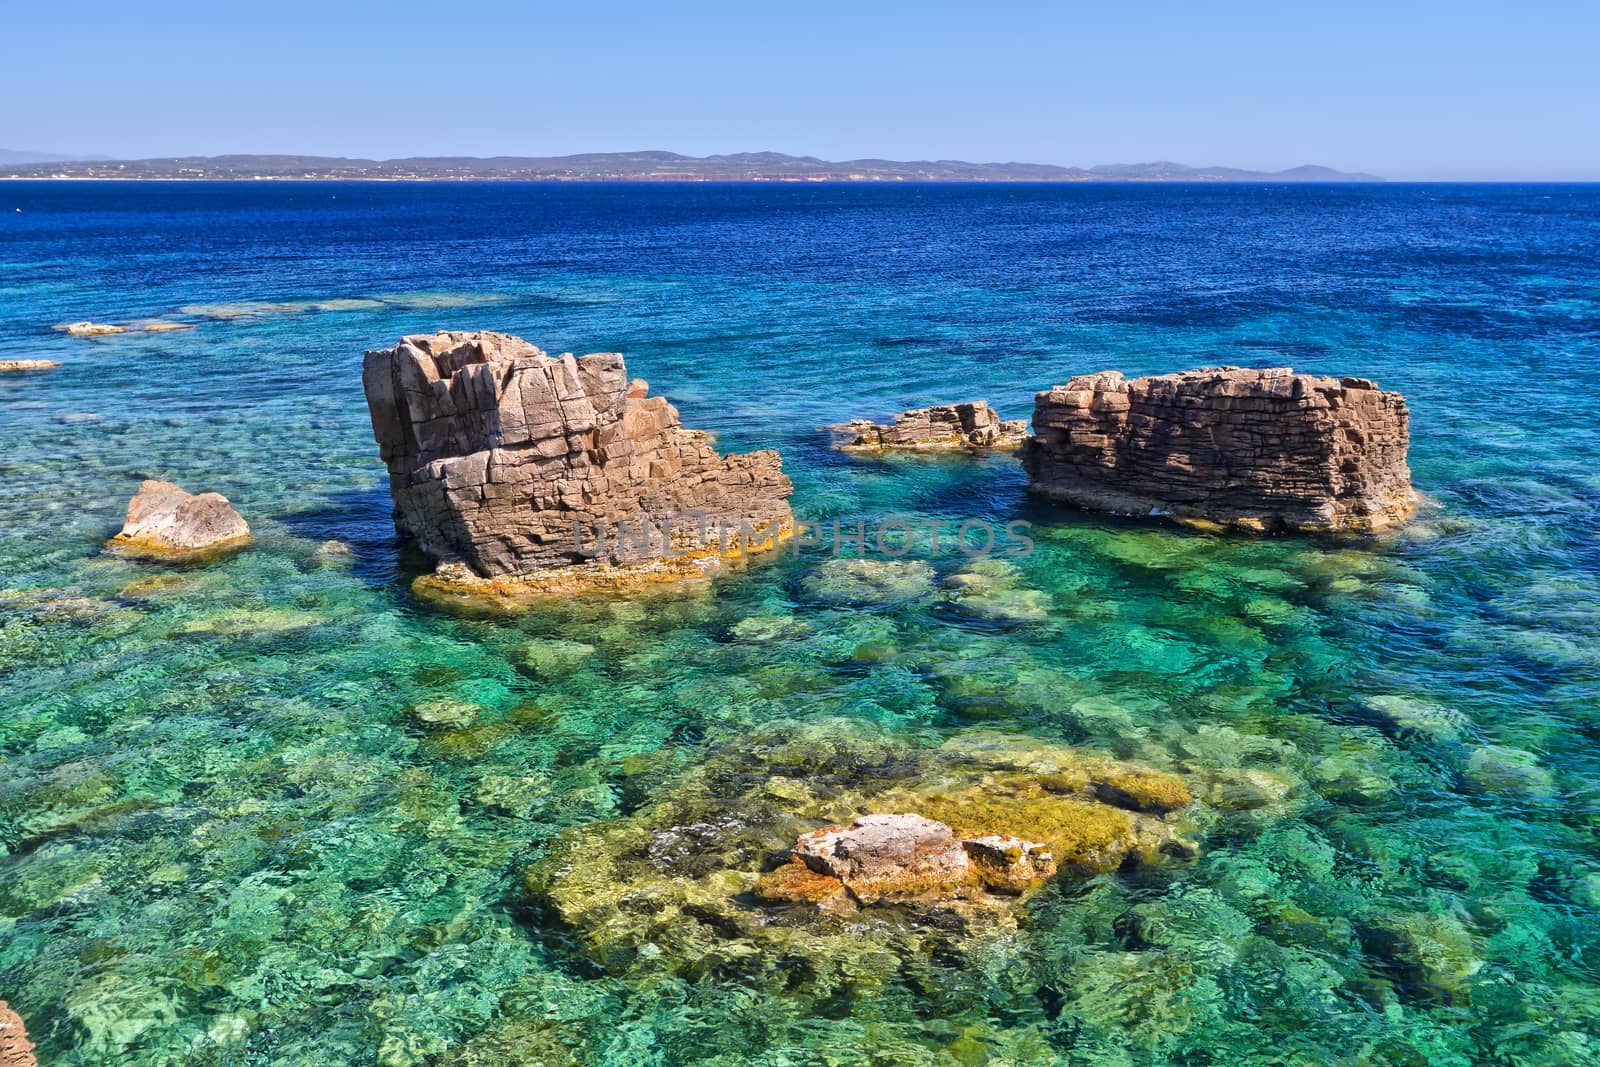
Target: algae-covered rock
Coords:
[(1404, 714), (443, 714), (1509, 772), (760, 858), (993, 590), (1433, 955), (861, 582), (551, 657)]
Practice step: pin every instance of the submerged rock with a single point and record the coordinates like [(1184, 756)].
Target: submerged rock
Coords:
[(522, 473), (7, 365), (15, 1048), (1404, 714), (853, 582), (1260, 450), (970, 426), (993, 590), (849, 851), (1433, 954), (165, 522), (1509, 772)]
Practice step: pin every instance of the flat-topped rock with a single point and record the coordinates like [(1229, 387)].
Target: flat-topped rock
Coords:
[(26, 364), (969, 426), (166, 522), (1264, 450), (523, 473)]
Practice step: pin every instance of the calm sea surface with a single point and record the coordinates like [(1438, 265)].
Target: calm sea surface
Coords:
[(228, 837)]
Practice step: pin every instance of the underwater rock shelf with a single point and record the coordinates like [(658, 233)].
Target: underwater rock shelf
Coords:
[(1258, 450), (521, 473)]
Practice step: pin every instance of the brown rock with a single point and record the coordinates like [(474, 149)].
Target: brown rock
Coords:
[(165, 522), (26, 364), (1261, 450), (15, 1048), (523, 473), (969, 426), (904, 858)]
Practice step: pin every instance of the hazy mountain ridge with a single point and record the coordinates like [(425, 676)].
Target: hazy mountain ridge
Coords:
[(636, 166)]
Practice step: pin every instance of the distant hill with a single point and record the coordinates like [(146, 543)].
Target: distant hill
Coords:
[(1178, 172), (638, 166), (12, 155)]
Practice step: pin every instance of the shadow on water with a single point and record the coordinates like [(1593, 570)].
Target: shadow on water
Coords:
[(362, 521)]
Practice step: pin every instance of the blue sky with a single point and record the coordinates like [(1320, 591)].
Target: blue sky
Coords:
[(1405, 90)]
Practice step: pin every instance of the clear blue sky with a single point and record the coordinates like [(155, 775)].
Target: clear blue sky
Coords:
[(1463, 89)]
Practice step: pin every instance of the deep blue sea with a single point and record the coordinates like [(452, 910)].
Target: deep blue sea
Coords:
[(275, 810)]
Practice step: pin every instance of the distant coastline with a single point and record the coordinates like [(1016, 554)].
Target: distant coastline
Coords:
[(640, 167)]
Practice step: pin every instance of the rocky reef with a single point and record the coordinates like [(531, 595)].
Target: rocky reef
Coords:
[(1261, 450), (166, 522), (27, 364), (970, 426), (828, 862), (523, 473)]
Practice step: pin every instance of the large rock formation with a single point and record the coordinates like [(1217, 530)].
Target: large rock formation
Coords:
[(1261, 450), (969, 426), (165, 522), (521, 472)]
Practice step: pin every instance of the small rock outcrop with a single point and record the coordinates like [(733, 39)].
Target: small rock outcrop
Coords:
[(970, 426), (524, 473), (15, 1048), (904, 859), (165, 522), (88, 329), (1261, 450), (26, 364)]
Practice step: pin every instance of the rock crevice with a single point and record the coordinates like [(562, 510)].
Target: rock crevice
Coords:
[(1263, 450)]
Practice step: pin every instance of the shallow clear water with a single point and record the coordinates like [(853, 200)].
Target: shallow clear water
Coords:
[(229, 839)]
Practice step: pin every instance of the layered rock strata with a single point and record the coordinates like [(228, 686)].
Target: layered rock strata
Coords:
[(970, 426), (523, 473), (166, 522), (15, 1048), (1262, 450)]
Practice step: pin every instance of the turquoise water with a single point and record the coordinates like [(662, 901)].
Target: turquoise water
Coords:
[(275, 811)]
